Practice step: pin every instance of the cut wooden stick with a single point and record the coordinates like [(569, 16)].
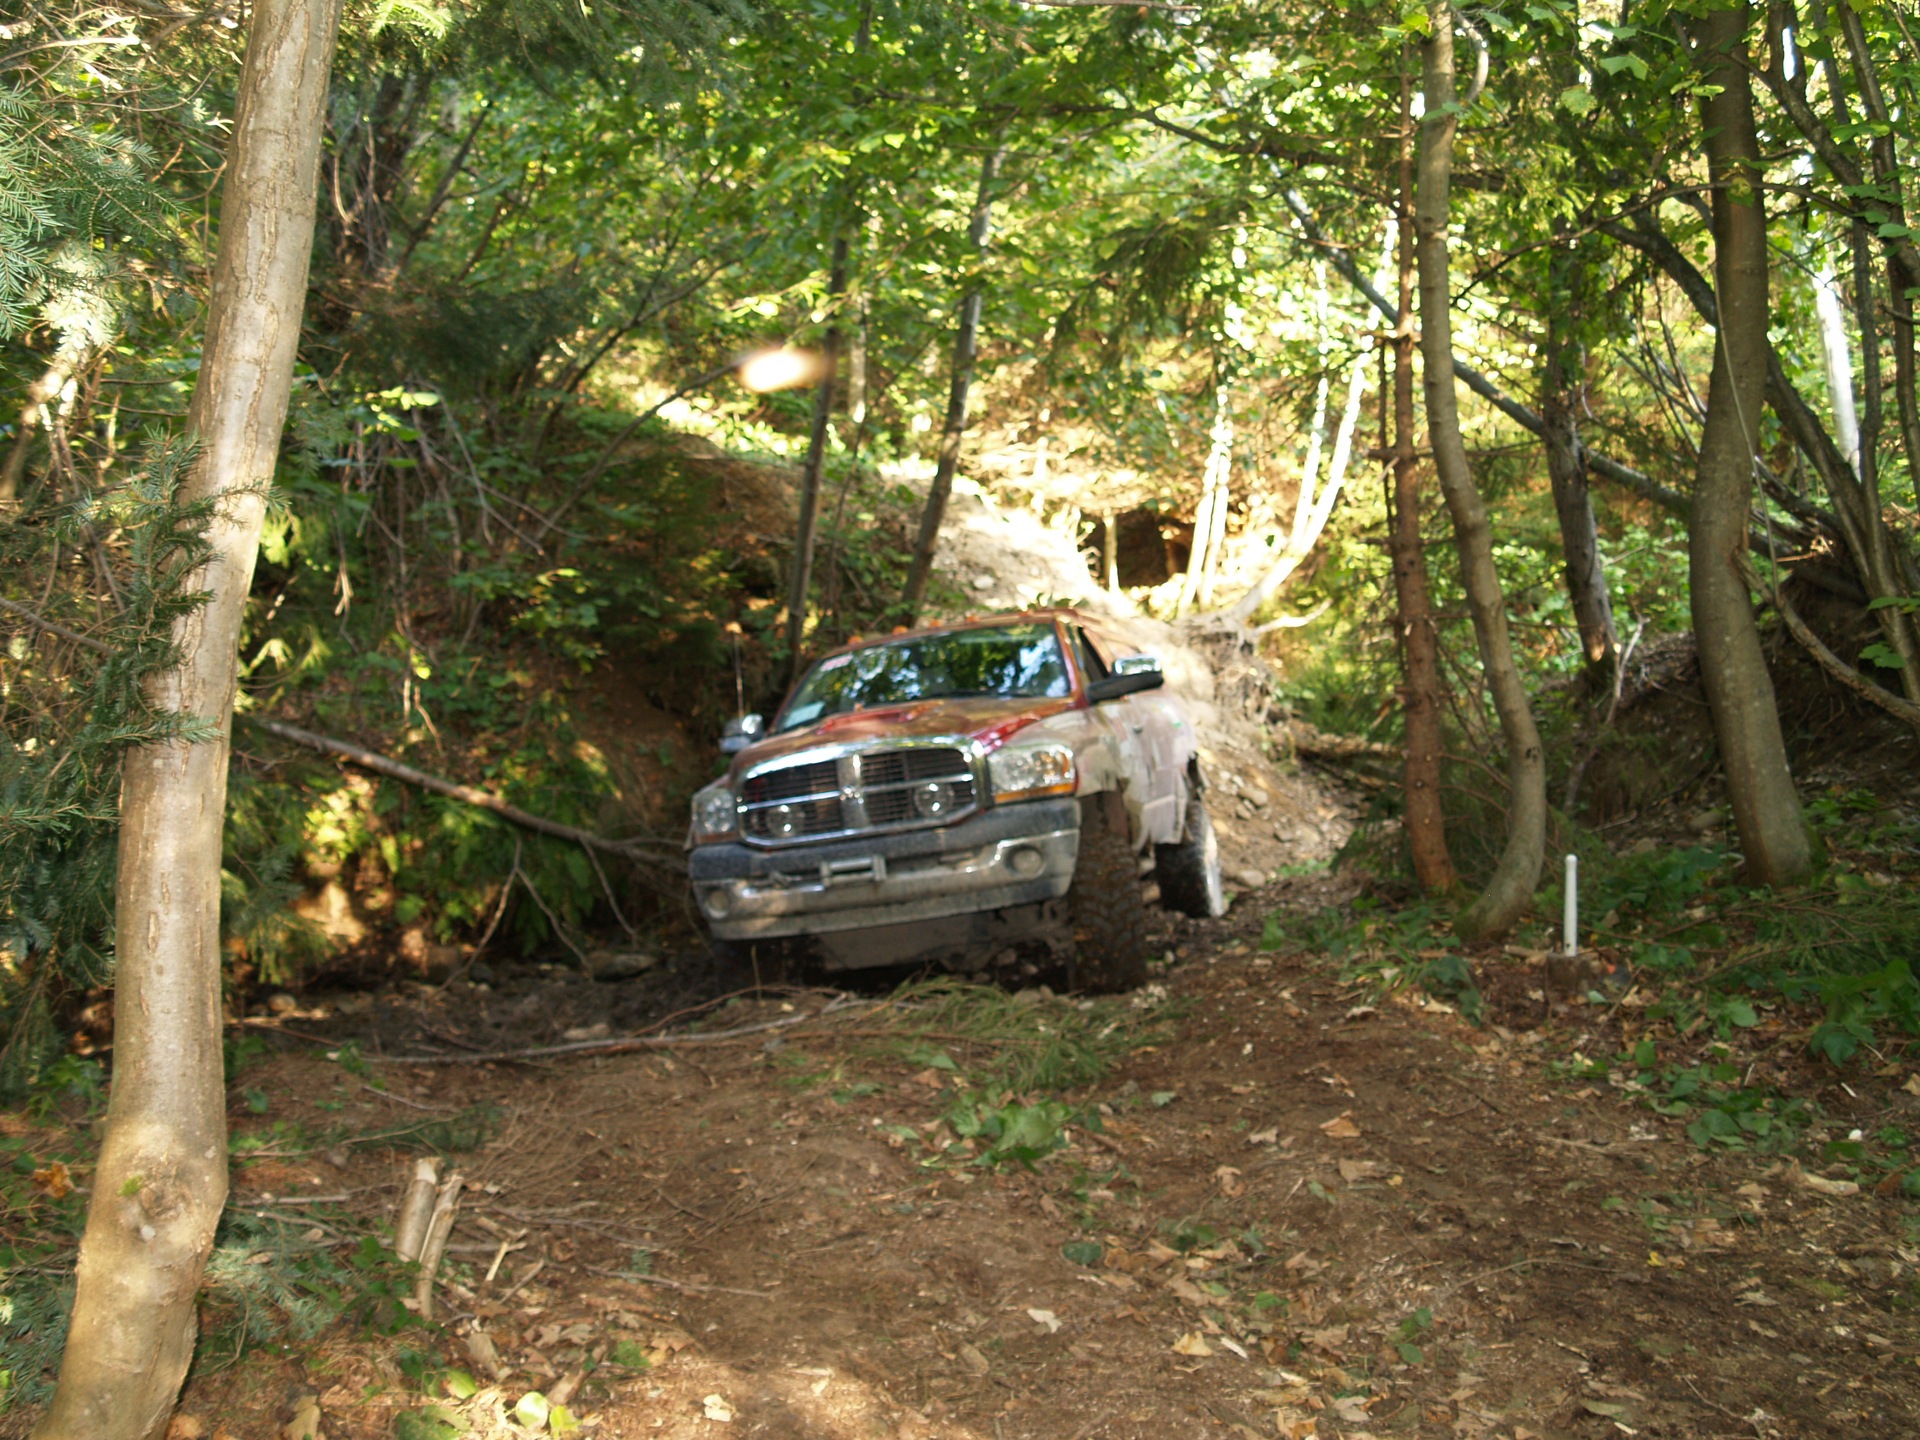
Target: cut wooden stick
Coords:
[(416, 1210), (647, 850), (438, 1228)]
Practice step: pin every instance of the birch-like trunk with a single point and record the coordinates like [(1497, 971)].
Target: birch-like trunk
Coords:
[(162, 1178), (1511, 886), (1733, 669), (1315, 505)]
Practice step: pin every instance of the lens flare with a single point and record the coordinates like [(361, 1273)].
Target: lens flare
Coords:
[(780, 369)]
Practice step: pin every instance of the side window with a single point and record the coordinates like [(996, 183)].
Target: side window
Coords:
[(1087, 656)]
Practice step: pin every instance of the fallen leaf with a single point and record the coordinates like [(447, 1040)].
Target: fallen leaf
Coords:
[(1046, 1318), (1244, 1356), (1191, 1344), (1605, 1409), (1341, 1127), (1352, 1170), (717, 1409), (1912, 1087), (1186, 1290), (1264, 1137), (54, 1181), (305, 1424), (1329, 1339), (186, 1427), (973, 1361), (1228, 1179)]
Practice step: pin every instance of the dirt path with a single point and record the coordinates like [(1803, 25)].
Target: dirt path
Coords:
[(1305, 1216)]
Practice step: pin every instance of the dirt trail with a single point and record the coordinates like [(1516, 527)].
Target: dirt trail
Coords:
[(1306, 1216)]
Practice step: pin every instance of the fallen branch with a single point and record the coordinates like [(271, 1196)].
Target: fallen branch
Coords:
[(617, 1044), (1315, 743), (468, 794), (1897, 706)]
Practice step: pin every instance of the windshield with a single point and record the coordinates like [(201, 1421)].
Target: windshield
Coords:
[(1013, 660)]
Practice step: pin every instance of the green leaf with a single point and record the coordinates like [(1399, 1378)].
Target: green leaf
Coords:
[(1577, 101), (1410, 1353), (533, 1410), (1084, 1252), (1614, 64), (1884, 655)]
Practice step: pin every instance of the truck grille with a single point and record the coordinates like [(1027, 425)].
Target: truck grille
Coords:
[(860, 791)]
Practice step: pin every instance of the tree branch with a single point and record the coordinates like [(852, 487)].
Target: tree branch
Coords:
[(467, 794)]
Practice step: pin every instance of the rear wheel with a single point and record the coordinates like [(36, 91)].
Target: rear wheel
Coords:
[(1109, 912), (1189, 872)]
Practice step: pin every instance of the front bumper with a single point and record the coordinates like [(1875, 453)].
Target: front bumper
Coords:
[(1018, 854)]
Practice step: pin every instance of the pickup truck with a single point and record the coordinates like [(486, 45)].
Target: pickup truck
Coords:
[(965, 795)]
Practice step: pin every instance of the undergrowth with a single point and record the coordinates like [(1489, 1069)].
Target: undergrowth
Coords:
[(1724, 1005)]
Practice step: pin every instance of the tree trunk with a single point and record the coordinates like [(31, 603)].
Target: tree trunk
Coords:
[(966, 342), (1210, 520), (1425, 818), (1746, 721), (1512, 883), (162, 1177), (1560, 398), (800, 580)]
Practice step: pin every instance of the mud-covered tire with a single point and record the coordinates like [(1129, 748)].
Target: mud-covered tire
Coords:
[(1189, 872), (1109, 912)]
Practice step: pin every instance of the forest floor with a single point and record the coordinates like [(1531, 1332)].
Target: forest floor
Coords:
[(1292, 1205)]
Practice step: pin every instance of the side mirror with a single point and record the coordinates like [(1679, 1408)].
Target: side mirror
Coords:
[(740, 732), (1131, 674)]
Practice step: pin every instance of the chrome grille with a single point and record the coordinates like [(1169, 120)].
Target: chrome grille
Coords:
[(792, 782), (858, 791)]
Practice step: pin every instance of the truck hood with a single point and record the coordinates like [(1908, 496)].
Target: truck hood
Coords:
[(989, 719)]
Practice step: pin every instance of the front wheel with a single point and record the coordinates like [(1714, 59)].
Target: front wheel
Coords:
[(1189, 872), (1109, 912)]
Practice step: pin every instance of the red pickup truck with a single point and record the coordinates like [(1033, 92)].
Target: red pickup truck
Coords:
[(963, 795)]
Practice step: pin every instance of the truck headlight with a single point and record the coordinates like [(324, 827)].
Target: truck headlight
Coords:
[(714, 815), (1028, 771)]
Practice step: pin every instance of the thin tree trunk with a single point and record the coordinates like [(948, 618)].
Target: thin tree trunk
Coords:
[(1511, 886), (1314, 507), (966, 343), (1210, 521), (1222, 502), (1110, 552), (1766, 811), (162, 1177), (1425, 818), (1567, 469), (1838, 353), (800, 581)]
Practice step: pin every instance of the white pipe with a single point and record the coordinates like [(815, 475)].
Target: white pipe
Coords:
[(1571, 920)]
